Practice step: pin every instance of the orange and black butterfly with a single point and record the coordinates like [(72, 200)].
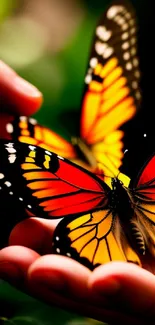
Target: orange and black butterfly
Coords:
[(110, 99), (99, 224)]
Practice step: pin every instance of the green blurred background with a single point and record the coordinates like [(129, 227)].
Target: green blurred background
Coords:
[(47, 42)]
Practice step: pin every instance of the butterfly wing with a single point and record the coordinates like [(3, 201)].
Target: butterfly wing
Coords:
[(90, 239), (49, 185), (28, 130), (143, 194), (111, 96)]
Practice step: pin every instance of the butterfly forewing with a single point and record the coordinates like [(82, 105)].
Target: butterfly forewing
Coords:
[(48, 184), (111, 96)]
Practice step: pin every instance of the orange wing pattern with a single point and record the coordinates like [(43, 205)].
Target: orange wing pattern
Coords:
[(144, 203), (91, 240), (111, 98), (112, 94), (27, 130), (49, 185)]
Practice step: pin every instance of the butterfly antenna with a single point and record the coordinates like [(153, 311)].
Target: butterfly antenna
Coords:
[(125, 152)]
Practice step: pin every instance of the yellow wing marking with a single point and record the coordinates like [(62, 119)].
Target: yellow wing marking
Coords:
[(94, 238)]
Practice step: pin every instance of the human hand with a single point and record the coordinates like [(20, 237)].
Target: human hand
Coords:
[(117, 293)]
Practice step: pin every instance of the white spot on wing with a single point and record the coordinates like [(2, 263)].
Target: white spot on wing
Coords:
[(60, 157), (8, 184), (9, 128), (9, 145), (125, 45), (125, 26), (133, 51), (32, 147), (57, 238), (112, 12), (134, 84), (20, 199), (129, 66), (137, 74), (32, 121), (58, 250), (11, 193), (125, 36), (48, 152), (1, 175), (127, 15), (133, 40), (108, 52), (135, 62), (12, 158), (93, 62), (126, 56), (138, 95), (23, 118), (11, 150), (88, 78), (29, 206), (100, 47), (132, 30), (103, 33)]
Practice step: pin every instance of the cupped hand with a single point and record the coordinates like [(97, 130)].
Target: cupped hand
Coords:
[(117, 293)]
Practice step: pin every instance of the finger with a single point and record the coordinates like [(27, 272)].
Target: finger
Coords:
[(14, 263), (17, 94), (63, 282), (34, 233), (60, 272), (128, 285)]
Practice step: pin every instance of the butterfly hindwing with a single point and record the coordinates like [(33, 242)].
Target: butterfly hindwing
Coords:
[(143, 194), (27, 130), (91, 240)]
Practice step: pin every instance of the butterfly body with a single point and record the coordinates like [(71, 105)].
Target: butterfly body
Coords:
[(99, 223), (122, 204)]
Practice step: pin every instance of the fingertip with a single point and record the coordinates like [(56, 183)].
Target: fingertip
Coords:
[(18, 254), (14, 263), (34, 233), (60, 272), (120, 281), (17, 94)]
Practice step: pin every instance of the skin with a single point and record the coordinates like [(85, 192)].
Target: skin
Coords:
[(117, 292)]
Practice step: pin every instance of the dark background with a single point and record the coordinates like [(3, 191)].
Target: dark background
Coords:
[(58, 71)]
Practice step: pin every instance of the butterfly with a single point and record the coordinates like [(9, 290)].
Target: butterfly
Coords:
[(99, 224), (111, 98)]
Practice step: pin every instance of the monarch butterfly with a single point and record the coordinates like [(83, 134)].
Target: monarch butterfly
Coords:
[(111, 98), (99, 224)]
